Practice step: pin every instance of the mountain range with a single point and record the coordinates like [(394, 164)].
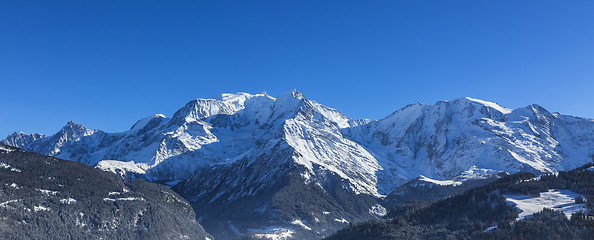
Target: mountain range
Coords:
[(258, 166)]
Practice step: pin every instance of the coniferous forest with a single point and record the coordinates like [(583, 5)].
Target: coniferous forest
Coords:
[(483, 213)]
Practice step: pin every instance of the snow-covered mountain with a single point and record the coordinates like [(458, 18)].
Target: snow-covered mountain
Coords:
[(468, 138), (235, 147)]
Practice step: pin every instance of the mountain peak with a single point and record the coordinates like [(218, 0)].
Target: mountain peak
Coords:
[(292, 94), (73, 126), (297, 94), (17, 134), (143, 122), (239, 96), (73, 130), (226, 104), (20, 139), (21, 134), (486, 103), (537, 108)]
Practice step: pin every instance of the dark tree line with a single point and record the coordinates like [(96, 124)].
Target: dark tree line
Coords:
[(483, 213)]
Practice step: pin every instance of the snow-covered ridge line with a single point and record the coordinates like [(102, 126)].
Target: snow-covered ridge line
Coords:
[(491, 105), (225, 150), (450, 140), (440, 182)]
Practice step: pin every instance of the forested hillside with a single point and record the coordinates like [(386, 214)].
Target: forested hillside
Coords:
[(44, 197), (484, 213)]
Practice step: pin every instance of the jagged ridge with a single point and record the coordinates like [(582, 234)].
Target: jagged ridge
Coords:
[(248, 143)]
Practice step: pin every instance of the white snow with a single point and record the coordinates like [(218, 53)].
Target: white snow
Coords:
[(79, 223), (3, 148), (476, 173), (446, 143), (535, 163), (4, 204), (322, 147), (6, 166), (378, 210), (239, 97), (491, 105), (41, 208), (439, 182), (363, 152), (490, 229), (68, 201), (124, 199), (275, 233), (341, 220), (47, 192), (120, 167), (301, 224), (142, 122), (558, 200)]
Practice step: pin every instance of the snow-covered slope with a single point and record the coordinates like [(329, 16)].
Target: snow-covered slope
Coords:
[(558, 200), (124, 169), (233, 146), (469, 138)]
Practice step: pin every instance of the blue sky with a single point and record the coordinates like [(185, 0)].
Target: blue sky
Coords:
[(106, 64)]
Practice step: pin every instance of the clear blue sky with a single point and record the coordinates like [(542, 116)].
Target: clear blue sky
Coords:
[(106, 64)]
